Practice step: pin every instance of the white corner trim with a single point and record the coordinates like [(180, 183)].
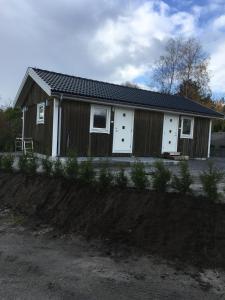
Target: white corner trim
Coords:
[(30, 72), (108, 117), (55, 127), (187, 136), (209, 140)]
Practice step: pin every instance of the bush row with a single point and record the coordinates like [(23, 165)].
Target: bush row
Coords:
[(84, 173)]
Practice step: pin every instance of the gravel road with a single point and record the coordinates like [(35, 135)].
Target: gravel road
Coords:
[(39, 264)]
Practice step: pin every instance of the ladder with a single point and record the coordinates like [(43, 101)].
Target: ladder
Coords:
[(25, 145)]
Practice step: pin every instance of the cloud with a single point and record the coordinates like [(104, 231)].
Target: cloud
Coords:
[(111, 40)]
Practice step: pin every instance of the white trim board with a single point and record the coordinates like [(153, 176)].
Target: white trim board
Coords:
[(30, 72), (55, 128)]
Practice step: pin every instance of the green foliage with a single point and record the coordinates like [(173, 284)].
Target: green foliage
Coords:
[(28, 164), (86, 172), (106, 177), (182, 182), (31, 165), (210, 179), (121, 179), (7, 162), (57, 169), (11, 127), (138, 175), (71, 167), (47, 166), (161, 176), (22, 163)]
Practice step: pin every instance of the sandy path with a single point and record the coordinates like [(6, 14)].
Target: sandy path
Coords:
[(35, 265)]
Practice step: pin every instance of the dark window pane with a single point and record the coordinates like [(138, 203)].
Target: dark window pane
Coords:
[(186, 126), (100, 115)]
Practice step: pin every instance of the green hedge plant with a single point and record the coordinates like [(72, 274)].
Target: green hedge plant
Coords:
[(183, 180), (7, 161), (87, 172), (47, 165), (121, 179), (57, 168), (210, 180), (139, 176), (105, 179), (161, 176), (71, 167)]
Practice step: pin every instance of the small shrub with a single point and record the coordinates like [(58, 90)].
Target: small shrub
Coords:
[(28, 164), (57, 168), (210, 179), (71, 167), (7, 162), (106, 177), (31, 165), (182, 182), (22, 163), (121, 179), (86, 172), (138, 175), (47, 165), (161, 176)]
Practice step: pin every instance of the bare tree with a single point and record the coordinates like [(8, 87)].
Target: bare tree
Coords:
[(183, 61), (166, 69)]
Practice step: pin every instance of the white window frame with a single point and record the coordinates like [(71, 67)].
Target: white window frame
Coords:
[(40, 120), (108, 116), (187, 136)]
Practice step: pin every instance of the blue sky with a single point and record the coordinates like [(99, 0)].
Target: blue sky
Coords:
[(111, 40)]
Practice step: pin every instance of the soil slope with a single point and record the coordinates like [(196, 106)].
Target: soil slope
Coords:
[(190, 229)]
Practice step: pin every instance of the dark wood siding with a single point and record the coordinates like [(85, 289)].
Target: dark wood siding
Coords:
[(40, 133), (75, 127), (75, 132), (148, 127), (198, 146)]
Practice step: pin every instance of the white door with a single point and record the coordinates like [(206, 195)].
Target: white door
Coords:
[(123, 130), (170, 133)]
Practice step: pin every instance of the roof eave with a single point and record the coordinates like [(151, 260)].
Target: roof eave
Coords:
[(131, 105)]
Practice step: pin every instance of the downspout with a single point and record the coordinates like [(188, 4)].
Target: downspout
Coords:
[(23, 126), (59, 126)]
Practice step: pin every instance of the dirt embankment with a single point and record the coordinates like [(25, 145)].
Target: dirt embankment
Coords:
[(188, 228)]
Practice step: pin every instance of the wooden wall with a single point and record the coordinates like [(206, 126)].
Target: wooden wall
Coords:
[(148, 128), (198, 146), (75, 134), (40, 133)]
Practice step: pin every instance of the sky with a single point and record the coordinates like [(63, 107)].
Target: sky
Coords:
[(109, 40)]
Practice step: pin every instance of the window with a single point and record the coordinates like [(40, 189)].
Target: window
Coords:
[(187, 127), (40, 113), (100, 119)]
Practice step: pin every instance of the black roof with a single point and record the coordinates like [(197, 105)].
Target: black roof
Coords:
[(107, 92)]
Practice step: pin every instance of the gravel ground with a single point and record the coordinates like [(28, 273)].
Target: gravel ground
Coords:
[(39, 264)]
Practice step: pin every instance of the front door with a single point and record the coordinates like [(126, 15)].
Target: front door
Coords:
[(170, 133), (123, 130)]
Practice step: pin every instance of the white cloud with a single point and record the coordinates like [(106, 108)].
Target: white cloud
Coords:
[(111, 40)]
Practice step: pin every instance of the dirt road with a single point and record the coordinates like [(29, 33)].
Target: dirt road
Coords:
[(35, 264)]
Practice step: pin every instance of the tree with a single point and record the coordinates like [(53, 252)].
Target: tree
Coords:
[(131, 84), (192, 90), (10, 127), (184, 61)]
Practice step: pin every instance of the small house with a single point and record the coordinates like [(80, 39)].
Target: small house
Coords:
[(63, 113)]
